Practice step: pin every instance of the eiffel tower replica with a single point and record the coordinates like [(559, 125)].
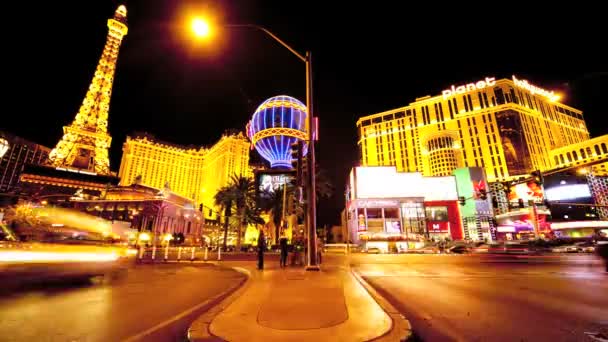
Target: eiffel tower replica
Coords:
[(79, 162)]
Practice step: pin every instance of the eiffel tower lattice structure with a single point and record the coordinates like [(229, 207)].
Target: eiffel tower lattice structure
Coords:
[(86, 141)]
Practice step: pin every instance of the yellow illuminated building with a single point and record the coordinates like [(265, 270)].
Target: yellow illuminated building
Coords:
[(195, 173), (86, 141), (508, 127)]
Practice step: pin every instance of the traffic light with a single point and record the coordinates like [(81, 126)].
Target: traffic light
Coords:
[(297, 160), (506, 187), (200, 207), (483, 194), (462, 200), (520, 201), (537, 177)]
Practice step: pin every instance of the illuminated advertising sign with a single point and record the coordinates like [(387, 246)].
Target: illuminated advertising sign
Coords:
[(517, 155), (568, 192), (361, 227), (386, 182), (461, 89), (470, 180), (535, 90), (438, 227), (393, 227), (526, 191), (268, 183)]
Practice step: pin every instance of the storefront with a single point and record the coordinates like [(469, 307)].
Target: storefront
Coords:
[(395, 211), (579, 229), (519, 225)]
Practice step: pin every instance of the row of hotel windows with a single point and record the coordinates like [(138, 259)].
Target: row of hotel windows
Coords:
[(512, 96), (572, 156)]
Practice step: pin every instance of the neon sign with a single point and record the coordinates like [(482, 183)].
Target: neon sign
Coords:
[(488, 82), (535, 90)]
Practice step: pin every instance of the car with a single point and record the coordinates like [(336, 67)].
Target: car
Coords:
[(460, 249), (565, 249), (585, 247), (425, 250), (373, 250)]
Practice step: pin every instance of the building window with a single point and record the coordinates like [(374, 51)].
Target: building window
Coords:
[(436, 213), (374, 213), (392, 213)]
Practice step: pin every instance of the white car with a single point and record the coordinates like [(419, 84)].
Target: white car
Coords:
[(585, 247), (565, 249)]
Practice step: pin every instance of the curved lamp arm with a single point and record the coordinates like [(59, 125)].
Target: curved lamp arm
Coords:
[(302, 58)]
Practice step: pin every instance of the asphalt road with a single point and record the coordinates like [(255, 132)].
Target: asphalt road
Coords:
[(485, 298), (148, 303)]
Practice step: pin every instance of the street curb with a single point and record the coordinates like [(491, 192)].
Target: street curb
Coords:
[(401, 329), (199, 329)]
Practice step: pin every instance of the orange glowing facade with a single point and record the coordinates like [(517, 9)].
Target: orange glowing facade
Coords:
[(86, 141), (508, 127), (195, 173)]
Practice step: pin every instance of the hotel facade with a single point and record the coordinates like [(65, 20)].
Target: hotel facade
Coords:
[(508, 127), (194, 173)]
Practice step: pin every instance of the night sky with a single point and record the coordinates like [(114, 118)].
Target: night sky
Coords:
[(367, 57)]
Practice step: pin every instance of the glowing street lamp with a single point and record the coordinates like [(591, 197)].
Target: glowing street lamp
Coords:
[(201, 26)]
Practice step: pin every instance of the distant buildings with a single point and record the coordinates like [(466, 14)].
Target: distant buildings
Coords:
[(147, 209), (194, 173), (508, 127), (499, 138), (19, 153)]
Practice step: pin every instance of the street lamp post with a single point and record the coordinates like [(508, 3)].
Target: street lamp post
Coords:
[(202, 29)]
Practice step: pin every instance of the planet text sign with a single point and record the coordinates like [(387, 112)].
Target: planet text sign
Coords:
[(461, 89)]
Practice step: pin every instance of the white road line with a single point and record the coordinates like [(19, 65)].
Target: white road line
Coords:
[(167, 322)]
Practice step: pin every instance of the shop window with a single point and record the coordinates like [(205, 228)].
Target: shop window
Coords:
[(373, 213), (439, 213), (392, 213)]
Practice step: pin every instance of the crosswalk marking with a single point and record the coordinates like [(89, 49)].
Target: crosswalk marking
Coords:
[(478, 274)]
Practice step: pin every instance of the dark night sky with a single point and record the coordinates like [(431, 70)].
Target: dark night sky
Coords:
[(367, 57)]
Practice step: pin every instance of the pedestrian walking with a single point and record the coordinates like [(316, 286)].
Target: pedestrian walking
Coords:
[(319, 250), (602, 251), (261, 249), (283, 245)]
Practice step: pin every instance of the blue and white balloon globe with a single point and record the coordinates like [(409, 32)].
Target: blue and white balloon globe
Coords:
[(276, 124)]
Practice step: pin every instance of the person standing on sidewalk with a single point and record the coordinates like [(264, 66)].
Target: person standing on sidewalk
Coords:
[(319, 250), (602, 251), (261, 249), (283, 245)]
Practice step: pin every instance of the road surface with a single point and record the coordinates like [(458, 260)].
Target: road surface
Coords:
[(469, 298), (116, 310)]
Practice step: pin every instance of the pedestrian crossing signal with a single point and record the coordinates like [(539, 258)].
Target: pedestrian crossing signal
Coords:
[(462, 200)]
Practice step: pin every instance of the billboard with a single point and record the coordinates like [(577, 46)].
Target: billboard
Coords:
[(567, 186), (526, 191), (269, 182), (513, 142), (564, 190), (386, 182), (470, 180)]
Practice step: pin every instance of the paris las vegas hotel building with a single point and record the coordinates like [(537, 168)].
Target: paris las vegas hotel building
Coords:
[(506, 127), (194, 173)]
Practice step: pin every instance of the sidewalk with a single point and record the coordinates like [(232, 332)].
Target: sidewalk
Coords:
[(292, 304)]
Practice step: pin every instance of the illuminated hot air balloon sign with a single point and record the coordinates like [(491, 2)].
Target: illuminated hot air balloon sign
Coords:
[(276, 124)]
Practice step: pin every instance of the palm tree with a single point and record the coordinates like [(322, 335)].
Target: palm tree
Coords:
[(223, 199), (274, 204), (243, 192), (323, 186)]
